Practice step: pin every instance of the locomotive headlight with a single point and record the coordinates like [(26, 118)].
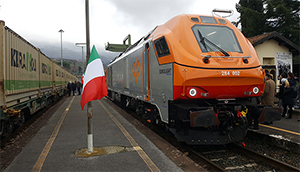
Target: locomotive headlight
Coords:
[(193, 92), (255, 90)]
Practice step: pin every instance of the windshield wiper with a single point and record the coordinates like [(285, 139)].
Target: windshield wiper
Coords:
[(202, 40), (205, 46)]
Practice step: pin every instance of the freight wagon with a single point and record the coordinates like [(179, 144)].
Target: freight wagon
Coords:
[(29, 80)]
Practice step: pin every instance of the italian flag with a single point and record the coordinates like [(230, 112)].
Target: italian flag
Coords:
[(94, 86)]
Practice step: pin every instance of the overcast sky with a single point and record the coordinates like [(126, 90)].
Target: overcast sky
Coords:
[(110, 20)]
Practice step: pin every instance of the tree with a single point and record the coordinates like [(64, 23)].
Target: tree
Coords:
[(283, 16), (79, 69), (261, 16), (66, 65), (252, 17)]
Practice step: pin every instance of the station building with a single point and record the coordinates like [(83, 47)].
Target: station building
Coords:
[(277, 54)]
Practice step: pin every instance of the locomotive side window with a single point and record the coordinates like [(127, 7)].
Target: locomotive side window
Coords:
[(161, 47)]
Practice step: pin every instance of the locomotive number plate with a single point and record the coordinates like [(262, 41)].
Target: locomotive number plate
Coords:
[(230, 73)]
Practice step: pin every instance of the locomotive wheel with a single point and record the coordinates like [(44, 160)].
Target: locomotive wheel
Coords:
[(166, 127), (158, 121)]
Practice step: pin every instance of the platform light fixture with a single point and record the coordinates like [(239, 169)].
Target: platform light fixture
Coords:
[(61, 49), (82, 45)]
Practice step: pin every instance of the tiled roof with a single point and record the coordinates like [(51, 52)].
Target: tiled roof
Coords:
[(259, 37)]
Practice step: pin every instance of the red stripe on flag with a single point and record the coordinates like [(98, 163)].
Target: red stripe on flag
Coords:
[(95, 89)]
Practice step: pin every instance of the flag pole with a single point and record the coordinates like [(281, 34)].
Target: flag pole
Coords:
[(89, 104)]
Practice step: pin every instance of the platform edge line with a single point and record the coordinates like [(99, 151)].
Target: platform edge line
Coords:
[(40, 162), (275, 128), (133, 143)]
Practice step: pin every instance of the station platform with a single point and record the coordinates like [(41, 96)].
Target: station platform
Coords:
[(284, 133), (55, 146)]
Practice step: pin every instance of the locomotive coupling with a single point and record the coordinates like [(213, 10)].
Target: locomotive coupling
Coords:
[(242, 113)]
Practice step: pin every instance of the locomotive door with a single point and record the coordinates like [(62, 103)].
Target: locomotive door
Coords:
[(146, 73)]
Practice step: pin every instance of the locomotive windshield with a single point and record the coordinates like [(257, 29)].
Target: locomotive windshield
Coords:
[(216, 39)]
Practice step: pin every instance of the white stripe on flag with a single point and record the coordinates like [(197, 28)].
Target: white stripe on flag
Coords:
[(93, 70)]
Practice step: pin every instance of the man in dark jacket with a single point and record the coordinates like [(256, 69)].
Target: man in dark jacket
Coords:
[(73, 88), (288, 100), (283, 78), (78, 86), (69, 87)]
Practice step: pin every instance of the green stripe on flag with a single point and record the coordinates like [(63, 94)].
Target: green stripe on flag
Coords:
[(94, 55)]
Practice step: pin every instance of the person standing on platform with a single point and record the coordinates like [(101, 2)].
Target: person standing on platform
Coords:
[(69, 87), (73, 88), (288, 99), (267, 98), (283, 78), (297, 99)]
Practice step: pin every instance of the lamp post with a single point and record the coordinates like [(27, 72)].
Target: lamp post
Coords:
[(89, 104), (81, 45), (61, 49)]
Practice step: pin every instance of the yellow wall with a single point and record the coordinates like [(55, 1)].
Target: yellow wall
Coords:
[(267, 53), (268, 50)]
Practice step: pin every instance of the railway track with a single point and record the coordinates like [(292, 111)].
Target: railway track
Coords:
[(26, 124), (237, 158), (232, 157), (266, 159), (11, 146)]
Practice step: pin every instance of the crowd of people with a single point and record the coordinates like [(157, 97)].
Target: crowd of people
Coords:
[(74, 87), (288, 95)]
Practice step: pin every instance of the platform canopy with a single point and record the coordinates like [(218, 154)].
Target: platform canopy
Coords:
[(119, 47), (116, 47)]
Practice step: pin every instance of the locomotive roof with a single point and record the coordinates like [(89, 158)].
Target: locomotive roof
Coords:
[(178, 26)]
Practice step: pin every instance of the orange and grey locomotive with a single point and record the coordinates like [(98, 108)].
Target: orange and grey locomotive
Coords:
[(196, 75)]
